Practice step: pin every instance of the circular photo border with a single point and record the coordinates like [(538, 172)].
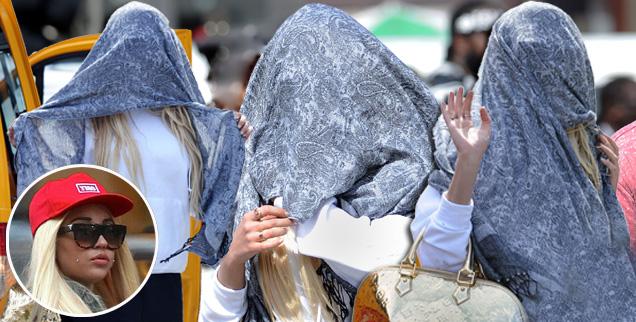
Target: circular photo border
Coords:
[(70, 170)]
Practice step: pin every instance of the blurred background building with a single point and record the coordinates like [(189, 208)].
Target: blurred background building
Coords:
[(230, 33)]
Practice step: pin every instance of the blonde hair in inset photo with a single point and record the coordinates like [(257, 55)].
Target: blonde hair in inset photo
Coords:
[(279, 291), (579, 138), (115, 129), (46, 282)]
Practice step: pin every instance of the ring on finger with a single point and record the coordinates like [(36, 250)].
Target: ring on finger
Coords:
[(260, 236), (257, 214)]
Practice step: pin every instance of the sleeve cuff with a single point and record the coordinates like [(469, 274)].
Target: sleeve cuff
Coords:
[(445, 201), (226, 292), (454, 216)]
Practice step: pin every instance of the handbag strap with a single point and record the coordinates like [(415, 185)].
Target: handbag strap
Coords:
[(465, 276)]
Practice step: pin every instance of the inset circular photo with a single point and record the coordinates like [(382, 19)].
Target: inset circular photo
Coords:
[(81, 240)]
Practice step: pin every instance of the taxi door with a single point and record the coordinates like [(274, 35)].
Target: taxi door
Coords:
[(22, 83), (17, 94)]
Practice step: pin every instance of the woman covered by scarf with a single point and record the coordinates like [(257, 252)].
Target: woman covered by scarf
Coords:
[(134, 106), (342, 133), (546, 222)]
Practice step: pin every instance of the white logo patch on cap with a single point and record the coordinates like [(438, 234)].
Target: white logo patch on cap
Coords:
[(87, 188)]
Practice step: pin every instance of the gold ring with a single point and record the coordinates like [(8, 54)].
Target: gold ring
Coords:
[(260, 236), (257, 214)]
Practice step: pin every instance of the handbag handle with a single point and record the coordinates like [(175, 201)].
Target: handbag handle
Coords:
[(465, 276)]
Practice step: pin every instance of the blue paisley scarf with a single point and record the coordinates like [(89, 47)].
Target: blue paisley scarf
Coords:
[(137, 63), (539, 224), (335, 113)]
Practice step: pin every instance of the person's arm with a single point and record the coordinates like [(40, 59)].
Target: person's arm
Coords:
[(628, 203), (260, 230), (471, 143), (224, 289), (446, 218), (447, 229), (626, 185), (353, 247), (219, 303)]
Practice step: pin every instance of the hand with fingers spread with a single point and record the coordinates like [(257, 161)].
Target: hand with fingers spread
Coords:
[(610, 157), (243, 125), (471, 143), (260, 230)]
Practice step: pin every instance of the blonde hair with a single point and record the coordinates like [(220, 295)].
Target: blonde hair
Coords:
[(279, 290), (115, 129), (579, 138), (46, 281)]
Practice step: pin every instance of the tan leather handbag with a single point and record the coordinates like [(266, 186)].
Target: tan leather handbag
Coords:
[(407, 293)]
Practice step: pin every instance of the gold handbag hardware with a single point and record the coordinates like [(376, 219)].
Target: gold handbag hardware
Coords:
[(406, 292)]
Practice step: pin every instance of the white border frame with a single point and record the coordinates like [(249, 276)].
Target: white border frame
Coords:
[(78, 166)]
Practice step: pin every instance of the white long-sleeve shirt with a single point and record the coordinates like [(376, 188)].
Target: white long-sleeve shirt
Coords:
[(353, 247), (165, 184), (447, 229)]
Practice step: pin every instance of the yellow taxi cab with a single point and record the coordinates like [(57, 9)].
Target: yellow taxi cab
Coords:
[(22, 83)]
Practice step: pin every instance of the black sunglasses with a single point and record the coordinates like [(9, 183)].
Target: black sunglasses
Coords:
[(86, 235)]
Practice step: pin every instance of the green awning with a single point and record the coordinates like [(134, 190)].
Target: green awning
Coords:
[(401, 24)]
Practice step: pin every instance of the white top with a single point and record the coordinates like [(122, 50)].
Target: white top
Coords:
[(448, 228), (353, 247), (165, 165)]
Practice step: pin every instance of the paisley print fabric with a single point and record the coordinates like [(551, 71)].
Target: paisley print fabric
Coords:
[(335, 113), (94, 302), (540, 226), (137, 63)]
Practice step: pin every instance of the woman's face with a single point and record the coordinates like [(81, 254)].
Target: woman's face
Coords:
[(85, 265)]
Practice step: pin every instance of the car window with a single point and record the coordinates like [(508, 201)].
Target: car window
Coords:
[(57, 74), (11, 97)]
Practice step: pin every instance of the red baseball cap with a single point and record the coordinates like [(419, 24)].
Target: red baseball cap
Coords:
[(56, 197)]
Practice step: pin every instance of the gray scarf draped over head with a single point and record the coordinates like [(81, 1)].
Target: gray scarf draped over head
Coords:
[(540, 226), (335, 114), (137, 63)]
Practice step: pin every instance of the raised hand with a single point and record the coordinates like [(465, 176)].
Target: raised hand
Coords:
[(470, 141)]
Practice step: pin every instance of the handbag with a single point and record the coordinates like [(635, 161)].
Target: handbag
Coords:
[(406, 292)]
